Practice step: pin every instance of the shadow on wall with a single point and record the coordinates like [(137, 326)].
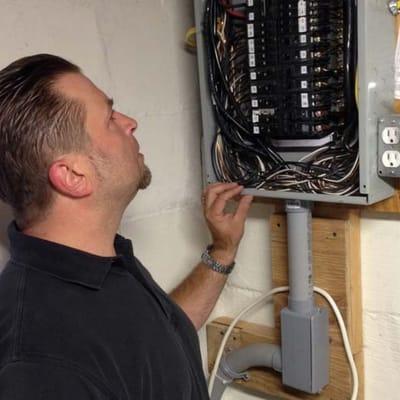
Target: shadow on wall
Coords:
[(5, 218)]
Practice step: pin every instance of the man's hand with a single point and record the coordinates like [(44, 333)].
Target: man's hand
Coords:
[(198, 293), (226, 228)]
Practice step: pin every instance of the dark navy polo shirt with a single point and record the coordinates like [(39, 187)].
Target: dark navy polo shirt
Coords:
[(76, 326)]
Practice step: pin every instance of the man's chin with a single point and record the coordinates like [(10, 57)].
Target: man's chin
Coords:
[(145, 179)]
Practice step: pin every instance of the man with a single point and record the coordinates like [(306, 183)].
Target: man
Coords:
[(80, 317)]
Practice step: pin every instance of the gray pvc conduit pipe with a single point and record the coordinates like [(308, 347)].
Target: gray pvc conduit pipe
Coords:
[(236, 363)]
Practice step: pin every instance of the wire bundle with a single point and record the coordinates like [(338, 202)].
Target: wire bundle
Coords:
[(252, 160)]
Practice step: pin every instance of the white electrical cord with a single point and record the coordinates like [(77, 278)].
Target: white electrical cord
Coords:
[(263, 298), (345, 336)]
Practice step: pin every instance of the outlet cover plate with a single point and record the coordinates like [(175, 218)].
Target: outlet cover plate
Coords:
[(388, 121)]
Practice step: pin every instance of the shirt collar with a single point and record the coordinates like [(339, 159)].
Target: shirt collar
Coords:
[(63, 262)]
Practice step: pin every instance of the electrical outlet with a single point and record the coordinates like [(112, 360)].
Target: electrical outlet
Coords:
[(391, 135), (389, 146), (391, 159)]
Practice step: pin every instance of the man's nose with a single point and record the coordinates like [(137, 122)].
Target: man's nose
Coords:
[(131, 125)]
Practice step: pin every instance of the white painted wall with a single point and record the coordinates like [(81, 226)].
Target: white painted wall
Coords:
[(134, 50)]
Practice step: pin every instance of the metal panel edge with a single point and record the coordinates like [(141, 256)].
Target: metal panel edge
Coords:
[(209, 127), (326, 198)]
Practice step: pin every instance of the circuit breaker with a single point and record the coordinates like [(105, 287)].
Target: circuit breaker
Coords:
[(292, 92)]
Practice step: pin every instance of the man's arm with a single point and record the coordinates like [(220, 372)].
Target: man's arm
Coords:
[(199, 292)]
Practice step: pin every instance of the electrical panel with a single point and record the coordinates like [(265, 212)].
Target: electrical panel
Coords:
[(292, 94)]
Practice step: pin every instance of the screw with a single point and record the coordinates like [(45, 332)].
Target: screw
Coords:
[(393, 7)]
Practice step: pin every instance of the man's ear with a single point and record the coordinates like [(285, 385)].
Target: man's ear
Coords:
[(69, 177)]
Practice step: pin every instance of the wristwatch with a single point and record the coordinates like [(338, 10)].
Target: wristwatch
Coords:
[(214, 264)]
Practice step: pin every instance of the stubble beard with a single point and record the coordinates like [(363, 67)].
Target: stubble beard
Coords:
[(102, 166), (145, 179)]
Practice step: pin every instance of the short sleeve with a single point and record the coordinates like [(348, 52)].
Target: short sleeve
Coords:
[(24, 380)]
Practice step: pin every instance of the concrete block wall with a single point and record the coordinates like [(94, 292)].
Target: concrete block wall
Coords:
[(133, 49)]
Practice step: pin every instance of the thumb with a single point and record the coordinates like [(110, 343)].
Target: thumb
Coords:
[(243, 208)]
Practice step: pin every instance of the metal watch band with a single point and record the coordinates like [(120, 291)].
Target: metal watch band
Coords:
[(214, 264)]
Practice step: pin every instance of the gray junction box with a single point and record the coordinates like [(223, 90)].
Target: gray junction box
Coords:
[(305, 350)]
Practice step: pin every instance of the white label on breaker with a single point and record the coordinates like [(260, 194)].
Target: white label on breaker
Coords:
[(256, 130), (304, 69), (251, 45), (253, 76), (250, 3), (250, 30), (254, 103), (304, 84), (303, 54), (303, 38), (256, 117), (302, 24), (252, 60), (302, 8), (251, 16), (304, 100), (253, 89)]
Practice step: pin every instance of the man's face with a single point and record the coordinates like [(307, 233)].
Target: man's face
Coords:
[(116, 155)]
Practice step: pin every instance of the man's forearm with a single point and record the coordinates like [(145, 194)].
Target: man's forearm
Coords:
[(199, 292)]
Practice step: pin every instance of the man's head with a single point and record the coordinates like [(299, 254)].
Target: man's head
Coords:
[(61, 141)]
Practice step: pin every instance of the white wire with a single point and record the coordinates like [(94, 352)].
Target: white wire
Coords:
[(346, 341), (348, 192), (266, 296), (314, 153), (269, 177), (261, 164)]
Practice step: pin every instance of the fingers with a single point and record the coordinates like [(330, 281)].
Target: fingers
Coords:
[(212, 191), (215, 184), (243, 208), (221, 200), (226, 228), (217, 195)]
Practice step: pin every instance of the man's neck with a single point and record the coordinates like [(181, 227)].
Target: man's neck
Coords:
[(92, 233)]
